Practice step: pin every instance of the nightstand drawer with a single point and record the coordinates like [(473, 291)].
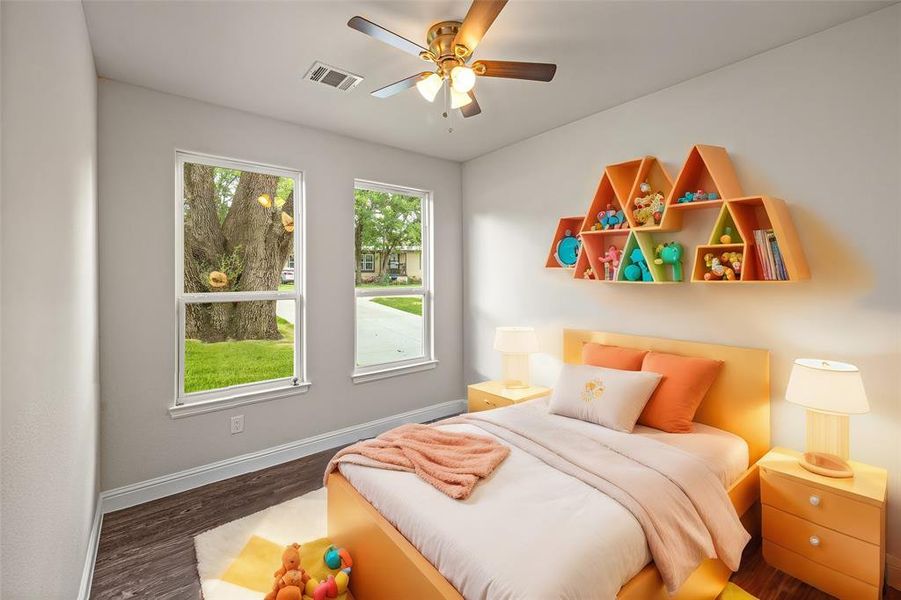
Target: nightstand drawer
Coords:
[(843, 553), (829, 580), (484, 401), (863, 521)]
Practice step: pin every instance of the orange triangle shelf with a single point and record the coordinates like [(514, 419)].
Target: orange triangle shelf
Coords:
[(753, 214), (565, 226), (605, 199), (706, 168), (652, 172), (595, 245)]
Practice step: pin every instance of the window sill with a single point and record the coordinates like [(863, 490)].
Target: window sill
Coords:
[(207, 406), (386, 372)]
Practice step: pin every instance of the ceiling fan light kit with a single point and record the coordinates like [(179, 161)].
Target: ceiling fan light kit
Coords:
[(463, 78), (450, 48), (459, 99), (430, 86)]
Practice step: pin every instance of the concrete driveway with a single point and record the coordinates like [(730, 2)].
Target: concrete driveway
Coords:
[(384, 334)]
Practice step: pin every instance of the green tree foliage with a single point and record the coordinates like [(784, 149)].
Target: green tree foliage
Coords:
[(385, 222)]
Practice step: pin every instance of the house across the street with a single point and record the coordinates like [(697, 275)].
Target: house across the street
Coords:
[(403, 266)]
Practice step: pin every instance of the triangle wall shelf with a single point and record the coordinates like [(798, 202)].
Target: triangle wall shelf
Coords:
[(753, 239)]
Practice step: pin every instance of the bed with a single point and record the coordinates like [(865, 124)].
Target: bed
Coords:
[(388, 565)]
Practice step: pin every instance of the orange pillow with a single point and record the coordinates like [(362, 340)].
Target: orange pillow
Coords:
[(612, 357), (685, 382)]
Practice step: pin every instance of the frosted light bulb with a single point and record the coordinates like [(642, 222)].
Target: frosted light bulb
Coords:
[(429, 86)]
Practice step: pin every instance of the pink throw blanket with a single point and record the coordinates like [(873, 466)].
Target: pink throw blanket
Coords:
[(452, 462)]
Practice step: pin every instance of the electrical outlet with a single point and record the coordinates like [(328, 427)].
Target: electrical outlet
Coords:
[(237, 424)]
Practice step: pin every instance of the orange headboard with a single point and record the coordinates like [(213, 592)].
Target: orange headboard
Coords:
[(738, 401)]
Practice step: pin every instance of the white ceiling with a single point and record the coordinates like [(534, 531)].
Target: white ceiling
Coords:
[(253, 55)]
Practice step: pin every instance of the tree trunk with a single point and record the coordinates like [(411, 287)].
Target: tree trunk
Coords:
[(251, 243), (358, 254), (386, 256)]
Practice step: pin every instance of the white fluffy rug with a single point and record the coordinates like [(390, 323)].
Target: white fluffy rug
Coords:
[(296, 520)]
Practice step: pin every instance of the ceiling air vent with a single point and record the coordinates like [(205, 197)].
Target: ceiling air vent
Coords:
[(330, 76)]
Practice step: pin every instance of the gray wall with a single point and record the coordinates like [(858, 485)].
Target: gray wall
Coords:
[(816, 123), (49, 299), (139, 131)]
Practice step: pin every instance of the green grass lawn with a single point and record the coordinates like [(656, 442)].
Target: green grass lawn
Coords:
[(210, 366), (407, 304)]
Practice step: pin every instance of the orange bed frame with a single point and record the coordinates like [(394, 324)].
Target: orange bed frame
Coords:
[(387, 566)]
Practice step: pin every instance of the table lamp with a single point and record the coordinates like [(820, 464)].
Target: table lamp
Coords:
[(515, 344), (830, 391)]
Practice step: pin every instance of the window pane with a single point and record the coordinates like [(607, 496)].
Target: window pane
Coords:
[(389, 328), (388, 239), (238, 230), (233, 343)]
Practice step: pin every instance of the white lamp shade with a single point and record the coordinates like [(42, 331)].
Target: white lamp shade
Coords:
[(463, 78), (515, 340), (459, 99), (827, 386), (429, 86)]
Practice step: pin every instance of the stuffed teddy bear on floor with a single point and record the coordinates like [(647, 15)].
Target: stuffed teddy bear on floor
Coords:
[(290, 579)]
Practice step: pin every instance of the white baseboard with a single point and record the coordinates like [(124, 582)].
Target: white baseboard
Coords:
[(893, 571), (160, 487), (87, 573)]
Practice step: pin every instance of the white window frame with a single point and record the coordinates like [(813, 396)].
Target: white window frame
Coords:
[(426, 290), (186, 404), (371, 262)]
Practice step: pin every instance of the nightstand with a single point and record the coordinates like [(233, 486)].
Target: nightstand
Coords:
[(493, 394), (827, 532)]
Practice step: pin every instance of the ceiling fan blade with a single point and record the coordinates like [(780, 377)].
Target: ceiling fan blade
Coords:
[(471, 109), (399, 86), (383, 35), (481, 15), (515, 70)]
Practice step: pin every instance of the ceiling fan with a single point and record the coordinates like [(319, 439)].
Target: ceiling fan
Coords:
[(450, 48)]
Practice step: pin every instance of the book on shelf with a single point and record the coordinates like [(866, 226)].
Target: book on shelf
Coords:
[(769, 257)]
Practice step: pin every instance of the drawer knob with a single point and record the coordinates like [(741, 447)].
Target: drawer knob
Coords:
[(814, 540), (814, 500)]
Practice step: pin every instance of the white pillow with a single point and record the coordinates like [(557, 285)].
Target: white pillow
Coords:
[(607, 397)]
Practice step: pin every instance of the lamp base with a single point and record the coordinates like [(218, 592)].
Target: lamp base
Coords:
[(516, 385), (828, 465), (516, 371)]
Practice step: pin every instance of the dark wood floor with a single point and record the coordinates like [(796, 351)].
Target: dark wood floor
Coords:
[(148, 551)]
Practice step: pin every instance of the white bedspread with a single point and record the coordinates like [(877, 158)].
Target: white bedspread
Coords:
[(530, 531)]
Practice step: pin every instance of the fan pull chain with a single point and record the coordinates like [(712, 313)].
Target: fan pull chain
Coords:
[(446, 112)]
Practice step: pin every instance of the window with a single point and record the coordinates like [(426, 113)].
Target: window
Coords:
[(393, 292), (239, 287), (367, 263)]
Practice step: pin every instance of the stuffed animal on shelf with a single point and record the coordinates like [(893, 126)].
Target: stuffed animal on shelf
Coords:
[(732, 259), (290, 579), (699, 196), (726, 238), (716, 270), (639, 267), (670, 254), (649, 208), (610, 218), (611, 260), (567, 252)]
